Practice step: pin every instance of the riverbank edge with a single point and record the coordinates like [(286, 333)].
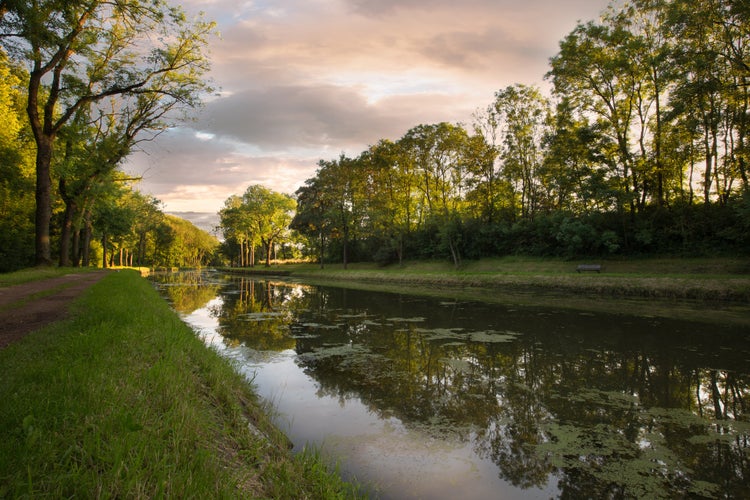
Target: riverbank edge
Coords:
[(123, 399), (705, 290), (725, 286)]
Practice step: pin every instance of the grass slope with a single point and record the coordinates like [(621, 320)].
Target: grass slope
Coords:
[(714, 290), (123, 400), (692, 279)]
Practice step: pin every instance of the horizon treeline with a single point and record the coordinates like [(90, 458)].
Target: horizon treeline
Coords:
[(641, 149)]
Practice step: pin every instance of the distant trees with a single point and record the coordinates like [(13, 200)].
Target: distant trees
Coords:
[(260, 217)]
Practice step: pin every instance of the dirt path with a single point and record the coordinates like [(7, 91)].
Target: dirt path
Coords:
[(30, 306)]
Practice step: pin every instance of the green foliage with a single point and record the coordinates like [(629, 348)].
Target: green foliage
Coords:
[(644, 151), (16, 172), (146, 58), (259, 217)]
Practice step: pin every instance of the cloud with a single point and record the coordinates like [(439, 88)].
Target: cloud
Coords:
[(316, 116), (304, 80), (189, 173)]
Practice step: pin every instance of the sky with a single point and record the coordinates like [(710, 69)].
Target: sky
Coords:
[(298, 81)]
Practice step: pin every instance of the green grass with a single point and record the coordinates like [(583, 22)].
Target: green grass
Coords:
[(518, 265), (123, 400), (719, 279), (715, 290)]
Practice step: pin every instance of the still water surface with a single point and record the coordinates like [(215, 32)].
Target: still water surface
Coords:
[(438, 398)]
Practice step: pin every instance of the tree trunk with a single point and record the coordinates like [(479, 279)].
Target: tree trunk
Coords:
[(322, 249), (400, 250), (67, 226), (86, 245), (77, 247), (104, 250), (268, 252), (346, 248), (454, 253), (43, 200)]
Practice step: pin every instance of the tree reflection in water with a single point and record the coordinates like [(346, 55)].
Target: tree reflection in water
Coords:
[(609, 406)]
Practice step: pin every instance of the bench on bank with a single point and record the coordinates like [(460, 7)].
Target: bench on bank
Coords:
[(589, 267)]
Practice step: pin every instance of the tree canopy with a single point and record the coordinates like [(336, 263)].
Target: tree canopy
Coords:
[(641, 148), (80, 52)]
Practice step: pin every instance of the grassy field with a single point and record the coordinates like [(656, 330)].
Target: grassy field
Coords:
[(123, 400)]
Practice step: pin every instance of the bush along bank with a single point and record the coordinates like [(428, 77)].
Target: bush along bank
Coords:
[(123, 400)]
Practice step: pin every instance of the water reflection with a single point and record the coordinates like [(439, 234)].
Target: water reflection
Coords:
[(559, 403)]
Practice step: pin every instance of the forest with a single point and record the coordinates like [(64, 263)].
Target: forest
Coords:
[(636, 145), (641, 148), (82, 83)]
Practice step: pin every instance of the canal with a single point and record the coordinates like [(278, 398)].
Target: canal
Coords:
[(423, 397)]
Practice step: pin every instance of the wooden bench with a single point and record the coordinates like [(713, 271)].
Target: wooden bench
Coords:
[(589, 267)]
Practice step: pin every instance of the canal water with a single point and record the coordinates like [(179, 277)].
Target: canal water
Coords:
[(423, 397)]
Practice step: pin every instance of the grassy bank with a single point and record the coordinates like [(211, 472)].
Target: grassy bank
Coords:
[(693, 279), (700, 289), (123, 400)]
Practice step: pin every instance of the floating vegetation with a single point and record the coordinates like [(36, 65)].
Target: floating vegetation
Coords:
[(263, 316), (612, 399), (320, 326), (610, 458), (441, 333), (304, 335), (407, 320), (490, 337), (353, 316), (454, 344), (348, 356)]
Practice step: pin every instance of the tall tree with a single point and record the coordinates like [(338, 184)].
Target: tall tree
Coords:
[(712, 57), (525, 114), (312, 218), (82, 51), (593, 71)]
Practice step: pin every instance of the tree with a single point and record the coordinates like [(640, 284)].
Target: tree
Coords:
[(312, 216), (188, 246), (258, 216), (390, 189), (594, 72), (711, 100), (82, 51), (98, 139), (270, 214), (439, 154), (525, 115), (113, 219)]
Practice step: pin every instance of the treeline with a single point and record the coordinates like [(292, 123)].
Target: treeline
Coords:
[(81, 84), (642, 149)]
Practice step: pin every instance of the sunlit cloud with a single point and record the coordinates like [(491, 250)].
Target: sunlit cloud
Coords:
[(304, 80)]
